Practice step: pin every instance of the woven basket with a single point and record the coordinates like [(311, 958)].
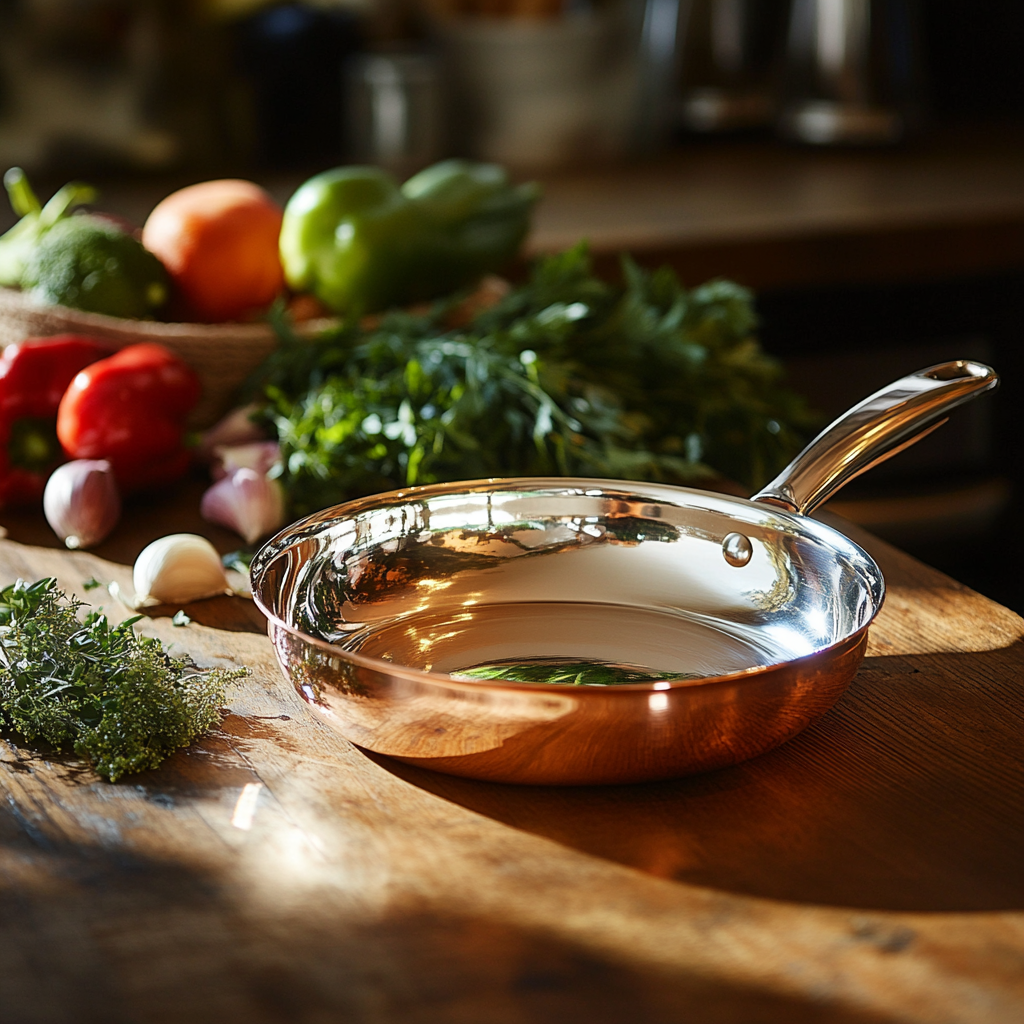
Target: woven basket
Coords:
[(222, 354)]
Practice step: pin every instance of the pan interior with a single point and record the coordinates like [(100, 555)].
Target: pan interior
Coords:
[(569, 582)]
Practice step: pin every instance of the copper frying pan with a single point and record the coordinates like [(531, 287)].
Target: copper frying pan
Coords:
[(421, 623)]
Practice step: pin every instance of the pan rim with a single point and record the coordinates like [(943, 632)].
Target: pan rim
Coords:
[(263, 560)]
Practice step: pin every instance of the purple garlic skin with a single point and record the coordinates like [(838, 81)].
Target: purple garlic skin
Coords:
[(261, 456), (247, 502), (81, 502), (237, 428)]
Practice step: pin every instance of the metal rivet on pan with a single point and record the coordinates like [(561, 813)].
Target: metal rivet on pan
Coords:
[(737, 549)]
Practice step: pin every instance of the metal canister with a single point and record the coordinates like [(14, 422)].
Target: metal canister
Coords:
[(730, 63), (395, 110), (852, 72)]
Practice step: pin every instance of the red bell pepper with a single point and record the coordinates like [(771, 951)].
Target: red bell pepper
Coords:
[(130, 409), (34, 374)]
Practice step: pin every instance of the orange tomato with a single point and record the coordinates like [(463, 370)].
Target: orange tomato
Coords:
[(219, 243)]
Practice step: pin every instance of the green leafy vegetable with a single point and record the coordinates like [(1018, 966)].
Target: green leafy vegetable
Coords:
[(87, 263), (566, 375), (19, 244), (239, 560), (577, 673), (114, 697), (83, 260)]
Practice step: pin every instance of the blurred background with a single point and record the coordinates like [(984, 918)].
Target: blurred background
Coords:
[(859, 163)]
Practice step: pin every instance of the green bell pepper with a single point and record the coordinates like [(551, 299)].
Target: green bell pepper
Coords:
[(360, 242)]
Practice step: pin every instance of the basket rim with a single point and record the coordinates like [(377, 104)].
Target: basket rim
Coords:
[(14, 301)]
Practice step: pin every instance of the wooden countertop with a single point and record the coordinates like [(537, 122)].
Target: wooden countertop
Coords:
[(772, 215), (868, 871)]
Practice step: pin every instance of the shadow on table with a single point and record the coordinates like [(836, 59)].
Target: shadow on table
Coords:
[(107, 936), (908, 796)]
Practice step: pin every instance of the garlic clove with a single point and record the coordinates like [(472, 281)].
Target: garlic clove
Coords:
[(236, 428), (176, 569), (247, 502), (260, 456), (81, 502)]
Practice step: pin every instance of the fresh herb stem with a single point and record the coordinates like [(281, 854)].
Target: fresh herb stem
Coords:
[(116, 698)]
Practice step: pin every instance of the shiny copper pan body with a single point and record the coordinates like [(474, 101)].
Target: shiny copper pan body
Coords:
[(756, 614)]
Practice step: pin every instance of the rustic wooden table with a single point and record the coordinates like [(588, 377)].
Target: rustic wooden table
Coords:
[(867, 871)]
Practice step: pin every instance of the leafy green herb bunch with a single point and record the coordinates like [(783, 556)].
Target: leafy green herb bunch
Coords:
[(116, 698), (566, 375)]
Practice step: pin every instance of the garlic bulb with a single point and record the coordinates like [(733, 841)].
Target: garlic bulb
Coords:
[(177, 569), (248, 502), (260, 456), (81, 502)]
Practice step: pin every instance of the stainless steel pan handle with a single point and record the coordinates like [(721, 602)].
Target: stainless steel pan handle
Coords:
[(878, 428)]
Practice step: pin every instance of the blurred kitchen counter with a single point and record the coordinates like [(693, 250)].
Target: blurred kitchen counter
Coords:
[(775, 216)]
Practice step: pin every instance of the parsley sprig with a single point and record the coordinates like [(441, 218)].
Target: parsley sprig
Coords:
[(116, 698), (567, 375)]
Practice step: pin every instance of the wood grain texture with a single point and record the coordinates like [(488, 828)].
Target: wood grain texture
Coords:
[(868, 871)]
